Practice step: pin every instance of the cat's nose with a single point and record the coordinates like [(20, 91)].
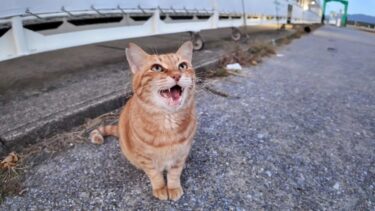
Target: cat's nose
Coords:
[(176, 77)]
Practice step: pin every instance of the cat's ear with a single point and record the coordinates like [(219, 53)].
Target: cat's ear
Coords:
[(186, 51), (135, 56)]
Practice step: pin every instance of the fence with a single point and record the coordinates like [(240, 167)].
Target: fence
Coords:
[(34, 26)]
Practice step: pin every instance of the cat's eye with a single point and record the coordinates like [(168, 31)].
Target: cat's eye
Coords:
[(182, 66), (157, 68)]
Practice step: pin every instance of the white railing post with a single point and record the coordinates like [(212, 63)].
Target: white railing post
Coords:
[(215, 16), (19, 36), (155, 21), (244, 15)]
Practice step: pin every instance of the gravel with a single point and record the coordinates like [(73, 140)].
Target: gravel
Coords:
[(298, 135)]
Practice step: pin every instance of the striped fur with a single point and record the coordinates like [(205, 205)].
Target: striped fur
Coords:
[(98, 134), (154, 135)]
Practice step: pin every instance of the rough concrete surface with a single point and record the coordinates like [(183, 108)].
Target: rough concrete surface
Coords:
[(297, 133)]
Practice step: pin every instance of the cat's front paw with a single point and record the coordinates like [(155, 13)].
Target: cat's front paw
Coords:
[(161, 193), (175, 193)]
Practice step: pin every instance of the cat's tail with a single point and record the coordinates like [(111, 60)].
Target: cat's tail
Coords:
[(96, 136)]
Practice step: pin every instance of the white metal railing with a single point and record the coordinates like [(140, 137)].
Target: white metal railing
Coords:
[(136, 18)]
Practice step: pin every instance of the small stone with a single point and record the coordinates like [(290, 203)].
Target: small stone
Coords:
[(269, 173), (301, 180), (83, 195), (336, 186), (260, 136)]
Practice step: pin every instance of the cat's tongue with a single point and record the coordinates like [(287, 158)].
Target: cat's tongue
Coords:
[(175, 94)]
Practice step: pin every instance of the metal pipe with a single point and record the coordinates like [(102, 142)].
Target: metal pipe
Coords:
[(97, 11), (142, 10), (67, 12), (122, 11), (27, 11)]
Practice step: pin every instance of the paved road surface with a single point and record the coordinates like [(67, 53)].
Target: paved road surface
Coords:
[(298, 132)]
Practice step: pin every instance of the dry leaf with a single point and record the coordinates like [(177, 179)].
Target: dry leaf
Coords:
[(9, 161)]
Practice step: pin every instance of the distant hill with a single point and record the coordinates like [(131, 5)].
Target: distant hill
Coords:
[(362, 18)]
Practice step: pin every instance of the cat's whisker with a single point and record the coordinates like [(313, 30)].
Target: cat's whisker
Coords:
[(153, 50)]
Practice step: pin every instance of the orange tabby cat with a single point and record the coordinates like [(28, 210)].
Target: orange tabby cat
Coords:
[(157, 125)]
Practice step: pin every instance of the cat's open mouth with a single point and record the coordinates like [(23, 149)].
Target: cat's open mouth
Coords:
[(173, 94)]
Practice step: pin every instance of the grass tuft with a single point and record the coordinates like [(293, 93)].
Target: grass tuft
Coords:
[(252, 56)]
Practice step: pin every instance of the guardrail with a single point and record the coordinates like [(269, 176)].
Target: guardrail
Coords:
[(34, 26)]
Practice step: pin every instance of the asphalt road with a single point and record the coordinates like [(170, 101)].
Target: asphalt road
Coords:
[(296, 132)]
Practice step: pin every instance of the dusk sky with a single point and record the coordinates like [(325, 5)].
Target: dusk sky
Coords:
[(355, 7)]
